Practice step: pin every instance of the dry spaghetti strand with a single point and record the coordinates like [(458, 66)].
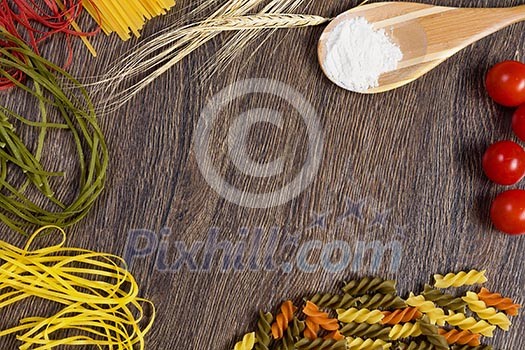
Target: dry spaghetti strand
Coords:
[(99, 296)]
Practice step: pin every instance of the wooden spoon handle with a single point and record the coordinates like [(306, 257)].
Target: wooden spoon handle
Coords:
[(464, 26), (514, 14)]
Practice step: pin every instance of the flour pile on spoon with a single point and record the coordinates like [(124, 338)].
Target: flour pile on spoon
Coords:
[(357, 55)]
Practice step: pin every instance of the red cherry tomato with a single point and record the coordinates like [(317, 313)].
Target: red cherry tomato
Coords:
[(506, 83), (504, 163), (508, 212), (518, 123)]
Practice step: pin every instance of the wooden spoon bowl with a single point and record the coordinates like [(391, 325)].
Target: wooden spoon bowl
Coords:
[(427, 35)]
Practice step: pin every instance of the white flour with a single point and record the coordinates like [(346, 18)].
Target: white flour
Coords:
[(357, 55)]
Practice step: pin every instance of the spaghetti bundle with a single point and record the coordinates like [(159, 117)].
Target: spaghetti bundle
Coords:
[(126, 17), (34, 202), (99, 297)]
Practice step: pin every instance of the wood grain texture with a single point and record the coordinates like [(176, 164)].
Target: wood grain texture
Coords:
[(407, 162)]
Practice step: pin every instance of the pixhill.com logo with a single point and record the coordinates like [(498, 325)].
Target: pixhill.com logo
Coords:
[(277, 248), (260, 249)]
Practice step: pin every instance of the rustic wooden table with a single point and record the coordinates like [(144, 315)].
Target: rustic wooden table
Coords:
[(396, 189)]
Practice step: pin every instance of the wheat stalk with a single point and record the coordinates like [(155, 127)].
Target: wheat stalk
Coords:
[(264, 21), (240, 40), (157, 55)]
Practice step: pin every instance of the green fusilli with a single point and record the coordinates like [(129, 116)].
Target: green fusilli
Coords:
[(263, 334), (364, 330), (334, 301), (370, 285), (444, 299)]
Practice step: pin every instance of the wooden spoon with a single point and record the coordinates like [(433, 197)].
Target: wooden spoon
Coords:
[(426, 34)]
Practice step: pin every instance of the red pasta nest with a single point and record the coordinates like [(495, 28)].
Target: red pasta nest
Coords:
[(35, 21)]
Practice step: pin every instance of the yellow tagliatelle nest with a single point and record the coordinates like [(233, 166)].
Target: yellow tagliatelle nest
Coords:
[(100, 299)]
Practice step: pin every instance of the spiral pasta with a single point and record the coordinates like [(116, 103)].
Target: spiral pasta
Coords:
[(431, 332), (359, 316), (488, 314), (317, 319), (470, 324), (468, 347), (455, 336), (436, 315), (335, 335), (460, 279), (444, 300), (264, 331), (405, 330), (363, 330), (334, 301), (415, 345), (401, 316), (366, 344), (283, 318), (247, 342), (380, 301), (379, 319), (312, 329), (499, 302), (370, 285), (291, 336), (320, 344)]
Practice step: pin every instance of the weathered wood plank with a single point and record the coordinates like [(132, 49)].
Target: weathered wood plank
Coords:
[(400, 169)]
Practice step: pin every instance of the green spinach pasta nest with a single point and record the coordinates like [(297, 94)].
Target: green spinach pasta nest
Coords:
[(41, 199)]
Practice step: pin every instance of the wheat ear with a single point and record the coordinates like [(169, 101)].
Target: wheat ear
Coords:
[(266, 21), (186, 41)]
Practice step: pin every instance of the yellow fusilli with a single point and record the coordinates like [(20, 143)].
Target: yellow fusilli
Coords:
[(405, 330), (247, 342), (470, 324), (368, 344), (460, 279), (435, 314), (486, 313), (360, 316)]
